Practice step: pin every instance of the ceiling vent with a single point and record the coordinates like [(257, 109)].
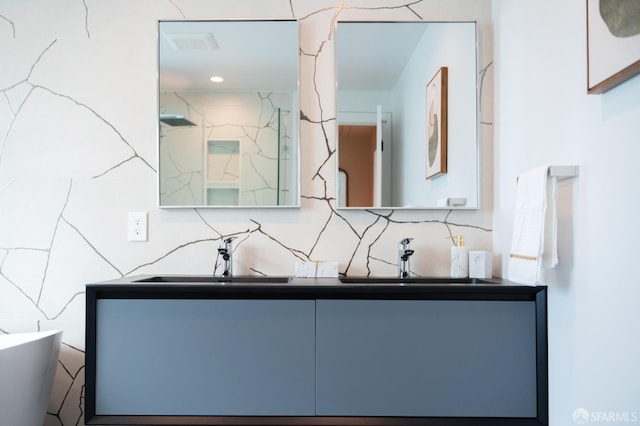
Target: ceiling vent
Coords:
[(191, 41)]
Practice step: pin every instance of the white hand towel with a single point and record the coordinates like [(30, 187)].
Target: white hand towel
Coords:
[(527, 243)]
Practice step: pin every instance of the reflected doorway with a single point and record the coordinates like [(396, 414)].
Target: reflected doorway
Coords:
[(357, 148)]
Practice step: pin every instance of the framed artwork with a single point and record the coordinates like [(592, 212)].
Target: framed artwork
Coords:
[(613, 43), (436, 160)]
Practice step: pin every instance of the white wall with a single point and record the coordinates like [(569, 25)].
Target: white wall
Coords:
[(544, 116), (78, 144), (452, 46)]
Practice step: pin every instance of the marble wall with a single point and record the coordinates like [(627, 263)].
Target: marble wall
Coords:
[(78, 144)]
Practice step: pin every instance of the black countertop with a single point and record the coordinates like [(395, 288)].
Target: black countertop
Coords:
[(206, 286)]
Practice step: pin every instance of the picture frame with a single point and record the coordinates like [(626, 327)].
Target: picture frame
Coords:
[(613, 43), (436, 141)]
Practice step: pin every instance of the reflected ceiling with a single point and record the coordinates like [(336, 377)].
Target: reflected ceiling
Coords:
[(230, 49)]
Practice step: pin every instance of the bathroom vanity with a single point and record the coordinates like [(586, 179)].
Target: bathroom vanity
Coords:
[(315, 352)]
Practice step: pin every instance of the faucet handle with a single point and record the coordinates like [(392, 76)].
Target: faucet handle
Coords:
[(229, 240), (405, 242), (406, 254), (222, 251)]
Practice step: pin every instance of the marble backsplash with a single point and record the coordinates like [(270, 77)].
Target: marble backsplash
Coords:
[(78, 148)]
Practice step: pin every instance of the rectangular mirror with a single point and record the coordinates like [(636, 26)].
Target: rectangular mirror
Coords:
[(403, 142), (228, 113)]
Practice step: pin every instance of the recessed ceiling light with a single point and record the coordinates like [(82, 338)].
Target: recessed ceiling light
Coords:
[(217, 79)]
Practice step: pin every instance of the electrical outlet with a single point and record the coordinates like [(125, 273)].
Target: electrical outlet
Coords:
[(137, 229)]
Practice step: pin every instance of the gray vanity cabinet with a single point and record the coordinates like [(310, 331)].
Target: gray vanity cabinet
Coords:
[(426, 358), (205, 357), (315, 355)]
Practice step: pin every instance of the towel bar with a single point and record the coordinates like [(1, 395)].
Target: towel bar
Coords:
[(564, 172)]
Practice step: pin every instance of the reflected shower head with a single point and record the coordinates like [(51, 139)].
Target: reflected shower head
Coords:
[(175, 120)]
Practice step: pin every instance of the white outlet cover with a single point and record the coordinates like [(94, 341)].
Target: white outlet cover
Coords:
[(137, 226)]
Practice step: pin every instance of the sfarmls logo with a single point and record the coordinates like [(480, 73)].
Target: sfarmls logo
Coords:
[(582, 416)]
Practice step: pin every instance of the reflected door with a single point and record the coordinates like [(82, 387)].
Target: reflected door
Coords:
[(357, 147), (364, 155), (377, 166)]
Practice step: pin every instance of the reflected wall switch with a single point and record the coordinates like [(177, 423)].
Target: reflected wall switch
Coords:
[(452, 202), (137, 228)]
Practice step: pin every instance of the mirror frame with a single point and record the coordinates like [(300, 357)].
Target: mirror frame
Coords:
[(476, 150), (295, 119)]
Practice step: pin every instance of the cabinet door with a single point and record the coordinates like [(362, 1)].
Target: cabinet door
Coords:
[(205, 357), (426, 358)]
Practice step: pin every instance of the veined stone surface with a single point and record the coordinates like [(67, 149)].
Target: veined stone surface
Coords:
[(78, 148)]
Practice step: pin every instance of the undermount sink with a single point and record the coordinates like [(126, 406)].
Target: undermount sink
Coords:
[(413, 280), (240, 279)]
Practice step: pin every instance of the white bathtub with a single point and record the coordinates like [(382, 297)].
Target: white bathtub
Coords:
[(28, 363)]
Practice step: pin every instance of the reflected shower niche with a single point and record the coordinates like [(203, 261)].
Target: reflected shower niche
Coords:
[(223, 173)]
